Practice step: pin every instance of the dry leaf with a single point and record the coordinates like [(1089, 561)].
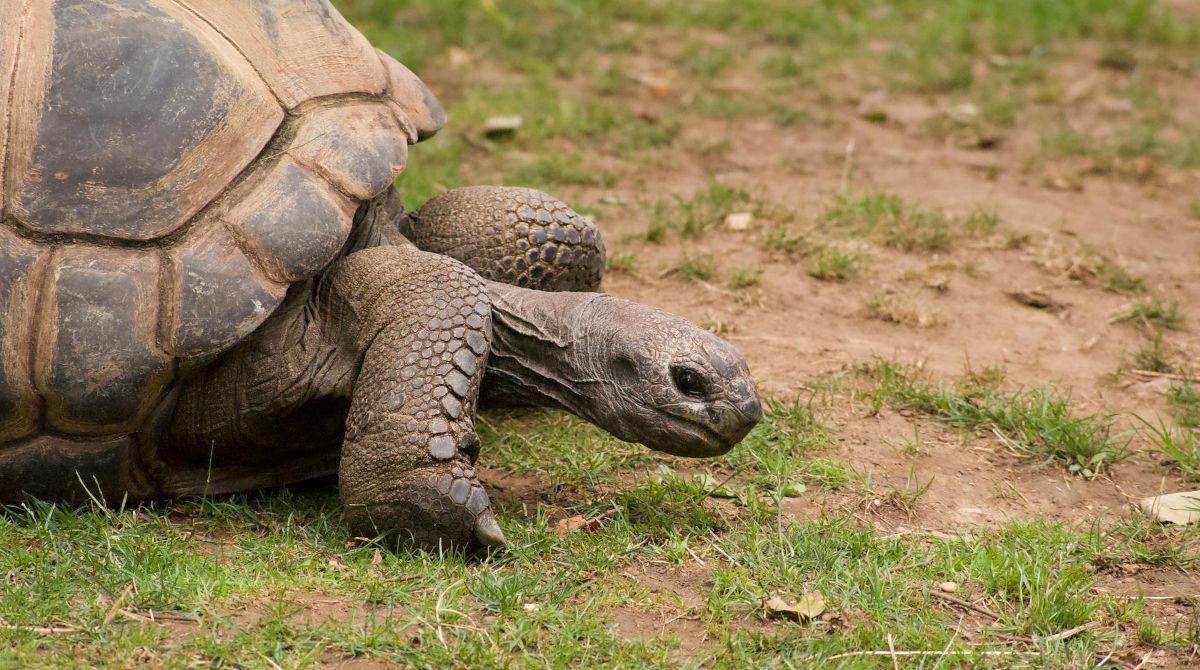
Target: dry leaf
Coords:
[(1176, 508), (377, 558), (810, 606), (570, 525)]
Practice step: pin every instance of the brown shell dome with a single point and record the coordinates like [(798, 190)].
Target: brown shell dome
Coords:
[(167, 169)]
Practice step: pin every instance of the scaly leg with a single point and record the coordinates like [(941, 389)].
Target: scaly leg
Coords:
[(516, 236)]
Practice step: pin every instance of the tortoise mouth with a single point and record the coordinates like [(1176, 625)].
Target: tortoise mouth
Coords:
[(691, 438)]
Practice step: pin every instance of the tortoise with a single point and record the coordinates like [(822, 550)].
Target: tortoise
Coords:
[(209, 284)]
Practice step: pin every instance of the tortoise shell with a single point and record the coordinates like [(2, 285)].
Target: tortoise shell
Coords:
[(167, 169)]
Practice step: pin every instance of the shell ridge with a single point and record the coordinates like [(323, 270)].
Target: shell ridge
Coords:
[(235, 46), (6, 115)]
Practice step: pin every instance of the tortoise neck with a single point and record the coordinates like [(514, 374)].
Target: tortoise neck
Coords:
[(540, 354)]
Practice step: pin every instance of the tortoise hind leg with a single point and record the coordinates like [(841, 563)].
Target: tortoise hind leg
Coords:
[(516, 236)]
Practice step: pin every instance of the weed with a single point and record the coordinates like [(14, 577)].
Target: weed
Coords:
[(622, 262), (1153, 356), (705, 210), (1183, 399), (1154, 313), (1179, 444), (834, 265), (696, 268), (1034, 422), (745, 277), (891, 220), (1118, 280), (783, 239)]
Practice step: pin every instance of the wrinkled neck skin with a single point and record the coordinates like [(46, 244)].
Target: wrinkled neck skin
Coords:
[(547, 351)]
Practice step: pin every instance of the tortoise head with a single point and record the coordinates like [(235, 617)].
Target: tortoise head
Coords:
[(667, 383), (640, 373)]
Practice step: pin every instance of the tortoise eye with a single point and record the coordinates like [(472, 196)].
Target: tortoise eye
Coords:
[(689, 382)]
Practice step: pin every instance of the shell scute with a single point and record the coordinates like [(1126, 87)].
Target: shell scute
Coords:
[(219, 298), (292, 219), (101, 365), (130, 118), (359, 147)]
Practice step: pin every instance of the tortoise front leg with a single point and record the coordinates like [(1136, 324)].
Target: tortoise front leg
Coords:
[(423, 326), (516, 236)]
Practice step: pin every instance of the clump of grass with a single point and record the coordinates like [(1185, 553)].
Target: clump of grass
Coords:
[(670, 506), (1154, 313), (981, 222), (656, 231), (707, 209), (1119, 280), (1183, 399), (1179, 444), (834, 265), (786, 241), (902, 307), (556, 169), (745, 277), (696, 268), (902, 225), (1034, 421), (1153, 356), (621, 261)]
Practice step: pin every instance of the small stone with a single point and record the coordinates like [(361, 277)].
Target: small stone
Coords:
[(948, 587), (502, 126), (738, 221)]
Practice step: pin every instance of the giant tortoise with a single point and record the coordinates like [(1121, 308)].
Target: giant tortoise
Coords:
[(208, 283)]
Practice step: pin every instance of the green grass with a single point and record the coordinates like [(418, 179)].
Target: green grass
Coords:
[(702, 267), (1179, 444), (902, 225), (230, 580), (835, 265), (705, 210), (1154, 313), (1183, 399), (1034, 422), (746, 276)]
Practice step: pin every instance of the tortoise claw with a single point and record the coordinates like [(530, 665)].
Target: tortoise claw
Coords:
[(487, 531)]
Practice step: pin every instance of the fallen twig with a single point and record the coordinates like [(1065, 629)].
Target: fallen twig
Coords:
[(1165, 375), (965, 603), (116, 606), (43, 630), (909, 652), (1070, 632)]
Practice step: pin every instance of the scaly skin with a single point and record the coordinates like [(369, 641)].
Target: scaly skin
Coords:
[(512, 235), (395, 341)]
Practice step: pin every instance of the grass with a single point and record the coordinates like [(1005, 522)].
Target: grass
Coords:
[(902, 225), (1183, 399), (1154, 313), (241, 581), (1034, 422), (834, 265), (696, 268), (705, 210)]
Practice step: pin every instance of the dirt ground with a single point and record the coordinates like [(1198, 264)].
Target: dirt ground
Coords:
[(795, 328)]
